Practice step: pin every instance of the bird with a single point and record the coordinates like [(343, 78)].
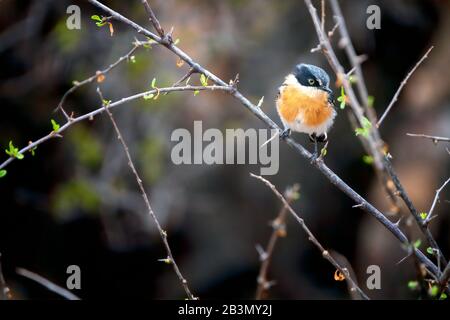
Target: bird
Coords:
[(305, 103)]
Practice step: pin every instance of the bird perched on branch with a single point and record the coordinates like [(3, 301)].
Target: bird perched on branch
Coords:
[(305, 103)]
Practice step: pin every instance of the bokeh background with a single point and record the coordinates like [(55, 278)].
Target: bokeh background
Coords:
[(76, 202)]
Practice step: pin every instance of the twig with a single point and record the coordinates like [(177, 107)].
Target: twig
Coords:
[(4, 290), (312, 238), (47, 284), (153, 19), (92, 114), (402, 84), (279, 230), (355, 61), (435, 139), (162, 233), (420, 222), (426, 221), (443, 280), (322, 8), (78, 84)]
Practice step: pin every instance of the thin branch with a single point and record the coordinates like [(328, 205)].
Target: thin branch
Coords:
[(430, 216), (162, 233), (420, 222), (372, 143), (402, 84), (4, 290), (322, 14), (443, 280), (153, 19), (92, 114), (279, 230), (312, 238), (78, 84), (354, 59), (47, 284), (435, 139)]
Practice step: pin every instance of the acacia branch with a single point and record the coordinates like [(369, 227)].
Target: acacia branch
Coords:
[(163, 234), (402, 84), (312, 238)]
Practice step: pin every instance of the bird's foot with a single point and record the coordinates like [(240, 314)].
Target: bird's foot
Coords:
[(285, 133)]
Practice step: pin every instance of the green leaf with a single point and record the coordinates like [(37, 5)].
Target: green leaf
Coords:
[(55, 125), (2, 173), (106, 102), (367, 159), (323, 152), (443, 296), (430, 250), (434, 291), (423, 215), (353, 79), (203, 80), (96, 18), (342, 99), (370, 101), (196, 92), (260, 102), (153, 83), (177, 41), (365, 129), (413, 285), (148, 96), (417, 243), (13, 151), (133, 59)]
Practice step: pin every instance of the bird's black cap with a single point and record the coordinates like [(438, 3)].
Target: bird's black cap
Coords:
[(312, 76)]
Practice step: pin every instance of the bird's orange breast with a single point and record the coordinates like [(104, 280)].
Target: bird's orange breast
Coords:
[(311, 104)]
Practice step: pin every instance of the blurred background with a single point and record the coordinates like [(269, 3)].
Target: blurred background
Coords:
[(76, 202)]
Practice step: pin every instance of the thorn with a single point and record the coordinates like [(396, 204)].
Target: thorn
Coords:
[(262, 254)]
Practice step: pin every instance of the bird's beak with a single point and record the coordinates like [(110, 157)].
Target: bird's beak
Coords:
[(327, 89)]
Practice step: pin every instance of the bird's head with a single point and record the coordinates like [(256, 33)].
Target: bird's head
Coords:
[(312, 76)]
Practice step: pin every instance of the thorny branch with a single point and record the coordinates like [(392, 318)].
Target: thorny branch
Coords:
[(402, 84), (435, 139), (162, 233), (279, 230), (430, 216), (312, 238), (221, 85), (420, 222), (372, 143)]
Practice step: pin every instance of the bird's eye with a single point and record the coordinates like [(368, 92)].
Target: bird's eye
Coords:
[(311, 81)]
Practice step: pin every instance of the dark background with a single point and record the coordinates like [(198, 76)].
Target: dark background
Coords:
[(76, 201)]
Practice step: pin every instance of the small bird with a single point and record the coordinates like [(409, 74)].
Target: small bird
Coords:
[(305, 103)]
